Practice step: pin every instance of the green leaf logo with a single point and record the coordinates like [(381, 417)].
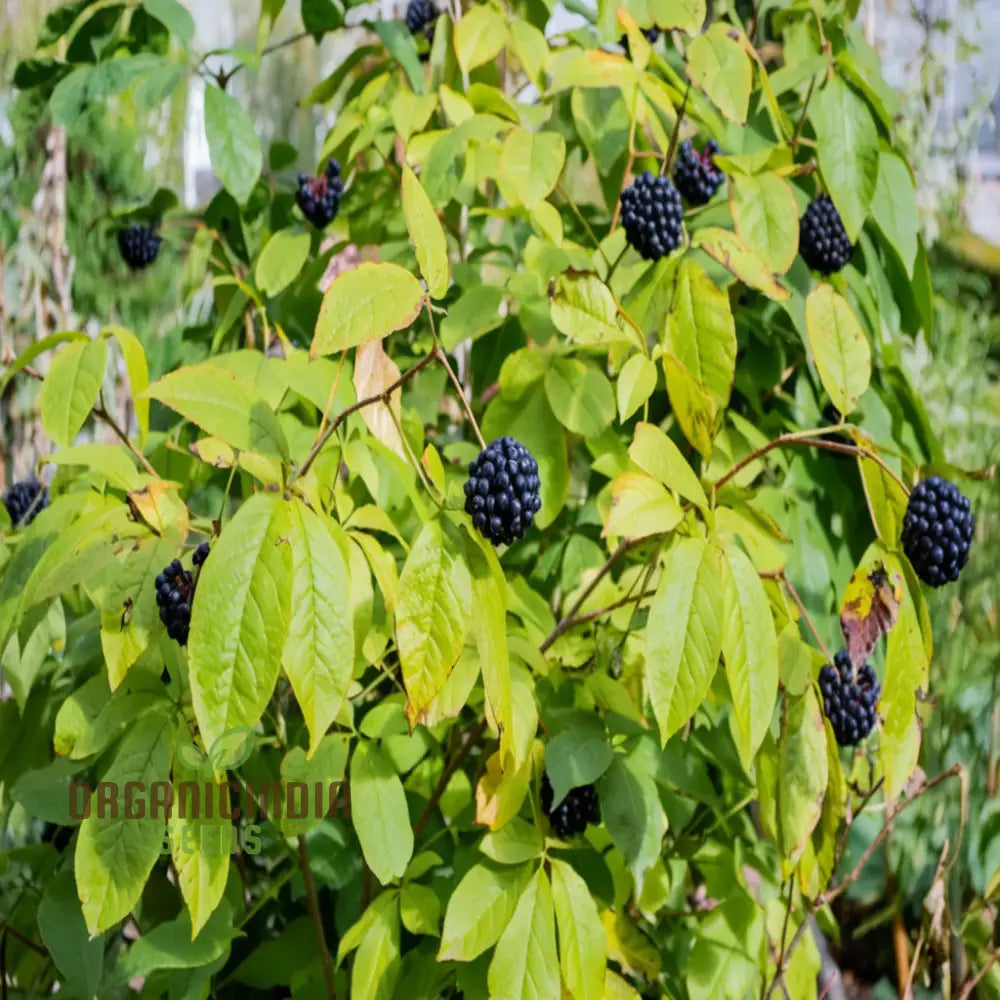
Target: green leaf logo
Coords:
[(191, 756), (232, 748)]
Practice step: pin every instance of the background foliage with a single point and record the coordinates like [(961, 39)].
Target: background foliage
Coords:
[(658, 632)]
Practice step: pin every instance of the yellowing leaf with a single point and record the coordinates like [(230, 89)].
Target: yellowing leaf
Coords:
[(584, 309), (530, 164), (374, 372), (640, 506), (687, 15), (736, 257), (695, 408), (767, 218), (840, 348), (582, 942), (720, 65), (71, 387), (366, 303), (426, 235), (479, 36), (657, 455)]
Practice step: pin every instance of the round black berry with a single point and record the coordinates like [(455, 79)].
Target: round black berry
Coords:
[(823, 241), (319, 197), (421, 15), (848, 701), (139, 245), (501, 493), (696, 176), (937, 531), (650, 34), (651, 215), (24, 500), (200, 554), (174, 593), (577, 809)]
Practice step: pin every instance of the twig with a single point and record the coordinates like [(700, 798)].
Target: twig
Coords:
[(102, 414), (443, 358), (26, 941), (794, 594), (797, 134), (978, 977), (600, 612), (380, 397), (324, 952), (456, 761)]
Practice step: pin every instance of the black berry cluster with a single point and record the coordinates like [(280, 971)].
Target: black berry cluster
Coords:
[(420, 16), (652, 216), (24, 500), (937, 531), (823, 241), (696, 176), (319, 197), (139, 245), (501, 493), (577, 809), (174, 595), (849, 702), (650, 34)]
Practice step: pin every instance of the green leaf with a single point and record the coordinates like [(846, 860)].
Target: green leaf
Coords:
[(802, 775), (580, 396), (420, 909), (839, 346), (403, 48), (515, 842), (636, 382), (223, 405), (894, 206), (281, 260), (377, 964), (114, 855), (175, 17), (684, 633), (696, 410), (721, 66), (77, 955), (583, 943), (71, 388), (729, 250), (318, 656), (426, 235), (433, 615), (657, 455), (233, 146), (476, 312), (530, 162), (767, 218), (640, 507), (326, 768), (200, 844), (576, 757), (750, 649), (240, 618), (233, 748), (479, 909), (479, 36), (378, 806), (37, 348), (366, 303), (886, 500), (632, 815), (584, 309), (138, 374), (847, 149), (687, 15), (525, 965)]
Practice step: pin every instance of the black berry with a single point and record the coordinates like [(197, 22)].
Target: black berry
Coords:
[(650, 34), (501, 493), (139, 245), (577, 809), (420, 16), (937, 531), (849, 702), (200, 554), (823, 241), (174, 594), (651, 215), (24, 500), (696, 176), (319, 197)]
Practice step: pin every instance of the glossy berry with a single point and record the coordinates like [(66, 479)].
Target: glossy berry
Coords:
[(696, 176), (937, 531), (823, 241), (650, 34), (501, 493), (849, 702), (651, 215), (139, 245), (24, 500), (319, 197), (577, 809), (174, 594), (420, 15), (200, 554)]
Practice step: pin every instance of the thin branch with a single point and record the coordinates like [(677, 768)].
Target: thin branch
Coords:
[(805, 108), (600, 612), (454, 378), (968, 988), (380, 397), (324, 952), (794, 594), (26, 941), (102, 414)]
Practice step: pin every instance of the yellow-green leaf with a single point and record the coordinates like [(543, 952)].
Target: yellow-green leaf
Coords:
[(640, 506), (767, 218), (583, 944), (636, 382), (366, 303), (840, 348), (479, 36), (721, 66), (426, 235), (657, 455), (584, 309), (687, 15), (71, 388), (281, 260), (138, 374), (736, 257), (530, 164), (696, 409)]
